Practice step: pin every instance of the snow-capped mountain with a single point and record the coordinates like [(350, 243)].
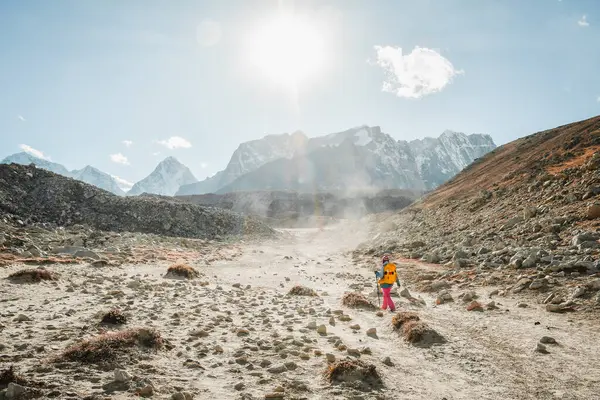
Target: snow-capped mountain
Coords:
[(440, 159), (98, 178), (248, 157), (358, 158), (165, 180), (26, 159), (88, 174)]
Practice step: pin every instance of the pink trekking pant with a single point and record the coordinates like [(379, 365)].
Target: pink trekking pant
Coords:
[(387, 299)]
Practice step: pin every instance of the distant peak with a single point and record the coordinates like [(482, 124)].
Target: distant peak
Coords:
[(170, 159)]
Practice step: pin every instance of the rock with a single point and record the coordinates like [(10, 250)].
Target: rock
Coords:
[(353, 352), (146, 391), (578, 292), (122, 375), (330, 357), (529, 262), (290, 366), (379, 313), (468, 296), (372, 332), (540, 348), (474, 306), (460, 263), (405, 293), (522, 305), (460, 254), (178, 396), (322, 330), (14, 391), (387, 361), (331, 321), (312, 325), (239, 386), (521, 284), (274, 396), (547, 340), (355, 327), (443, 297), (491, 305), (493, 293), (438, 285), (539, 284), (529, 212), (558, 308), (243, 332), (278, 369), (593, 211), (22, 318), (86, 254)]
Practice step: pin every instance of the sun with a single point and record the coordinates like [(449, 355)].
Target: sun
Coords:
[(287, 49)]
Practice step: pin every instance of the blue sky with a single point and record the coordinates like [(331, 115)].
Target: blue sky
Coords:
[(79, 78)]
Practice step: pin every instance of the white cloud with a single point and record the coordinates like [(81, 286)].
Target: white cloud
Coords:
[(208, 33), (175, 142), (127, 143), (583, 21), (123, 184), (156, 154), (119, 159), (422, 72), (33, 152), (21, 118), (203, 165), (598, 99)]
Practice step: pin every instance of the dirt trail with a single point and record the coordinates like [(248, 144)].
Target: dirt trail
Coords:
[(232, 341)]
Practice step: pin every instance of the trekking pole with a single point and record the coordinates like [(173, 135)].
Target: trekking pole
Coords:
[(378, 294)]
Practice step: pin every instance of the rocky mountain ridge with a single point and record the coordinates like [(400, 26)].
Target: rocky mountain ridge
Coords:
[(32, 195), (364, 157), (527, 216)]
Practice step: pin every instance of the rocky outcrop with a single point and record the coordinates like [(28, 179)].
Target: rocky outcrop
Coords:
[(34, 195)]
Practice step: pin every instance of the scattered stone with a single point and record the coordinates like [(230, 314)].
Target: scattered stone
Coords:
[(122, 375), (372, 332), (547, 340), (322, 330), (14, 391), (540, 348), (239, 386), (387, 361), (330, 357), (474, 306)]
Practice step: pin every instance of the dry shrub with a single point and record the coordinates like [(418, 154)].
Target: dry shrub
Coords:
[(32, 275), (419, 334), (115, 317), (9, 375), (403, 317), (357, 300), (299, 290), (182, 271), (109, 346), (354, 373)]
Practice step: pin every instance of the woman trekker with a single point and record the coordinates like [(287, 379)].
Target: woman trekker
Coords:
[(387, 277)]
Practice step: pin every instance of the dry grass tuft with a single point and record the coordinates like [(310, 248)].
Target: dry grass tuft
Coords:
[(415, 331), (355, 373), (299, 290), (109, 346), (182, 271), (403, 317), (32, 275), (115, 317), (357, 300)]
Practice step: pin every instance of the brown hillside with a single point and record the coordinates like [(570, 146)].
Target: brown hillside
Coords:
[(549, 151)]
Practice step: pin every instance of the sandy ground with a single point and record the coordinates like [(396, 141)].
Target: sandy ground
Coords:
[(488, 355)]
